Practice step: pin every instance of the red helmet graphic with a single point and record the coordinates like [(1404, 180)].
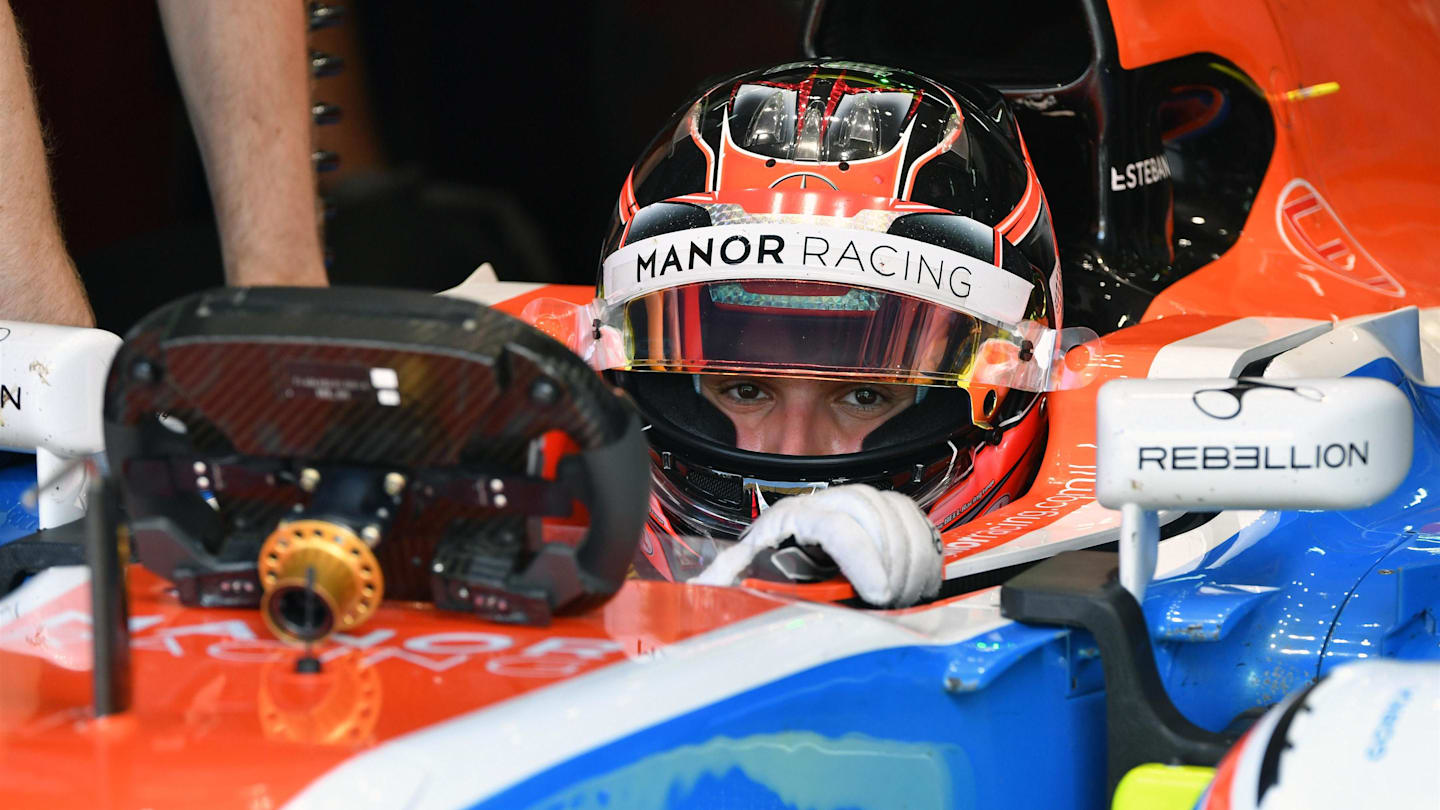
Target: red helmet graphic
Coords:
[(873, 233)]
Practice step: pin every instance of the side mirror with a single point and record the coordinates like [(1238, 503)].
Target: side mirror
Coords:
[(1248, 443), (52, 385)]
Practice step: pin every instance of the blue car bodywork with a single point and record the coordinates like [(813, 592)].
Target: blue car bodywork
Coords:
[(1016, 715)]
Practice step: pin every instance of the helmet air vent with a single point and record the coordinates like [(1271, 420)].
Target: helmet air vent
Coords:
[(772, 122), (857, 132), (807, 142)]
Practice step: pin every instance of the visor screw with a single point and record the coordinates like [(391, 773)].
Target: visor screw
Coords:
[(544, 392), (323, 113), (309, 479), (323, 161), (770, 164), (469, 325), (844, 166), (1027, 351), (143, 371), (323, 15), (370, 534), (394, 484), (323, 65)]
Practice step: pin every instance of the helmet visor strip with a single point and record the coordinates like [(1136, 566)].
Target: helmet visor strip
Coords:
[(811, 300), (804, 329), (816, 296)]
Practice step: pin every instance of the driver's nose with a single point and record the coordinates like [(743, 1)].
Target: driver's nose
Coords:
[(800, 424), (810, 433)]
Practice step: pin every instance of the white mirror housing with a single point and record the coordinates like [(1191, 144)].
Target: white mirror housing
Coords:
[(1251, 443), (1247, 443), (52, 393)]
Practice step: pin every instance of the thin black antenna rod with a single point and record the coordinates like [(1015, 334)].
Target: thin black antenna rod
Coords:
[(309, 601), (110, 608), (308, 664)]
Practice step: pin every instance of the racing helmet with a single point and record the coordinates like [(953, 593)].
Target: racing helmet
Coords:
[(835, 221)]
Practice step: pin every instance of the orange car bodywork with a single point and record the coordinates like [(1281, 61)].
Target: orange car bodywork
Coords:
[(221, 721), (1348, 216)]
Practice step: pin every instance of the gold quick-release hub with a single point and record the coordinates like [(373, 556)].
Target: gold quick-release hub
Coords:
[(319, 578)]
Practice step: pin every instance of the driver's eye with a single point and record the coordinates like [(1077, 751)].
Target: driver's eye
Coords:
[(866, 399), (746, 391)]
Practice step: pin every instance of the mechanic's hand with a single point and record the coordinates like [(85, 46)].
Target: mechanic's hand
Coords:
[(884, 544)]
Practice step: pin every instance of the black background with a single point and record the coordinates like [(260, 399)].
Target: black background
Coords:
[(505, 131)]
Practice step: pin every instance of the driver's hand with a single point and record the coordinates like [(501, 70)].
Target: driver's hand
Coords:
[(884, 544)]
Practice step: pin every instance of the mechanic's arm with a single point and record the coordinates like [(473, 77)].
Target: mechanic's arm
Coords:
[(242, 67), (37, 278)]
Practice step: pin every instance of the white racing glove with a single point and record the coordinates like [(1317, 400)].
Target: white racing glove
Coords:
[(884, 544)]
